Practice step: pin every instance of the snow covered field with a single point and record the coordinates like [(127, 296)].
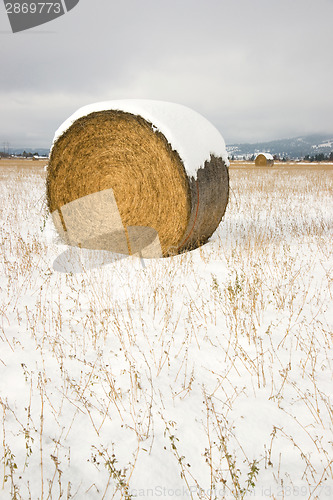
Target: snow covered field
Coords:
[(206, 375)]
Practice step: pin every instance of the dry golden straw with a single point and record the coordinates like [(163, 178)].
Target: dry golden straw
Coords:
[(115, 183)]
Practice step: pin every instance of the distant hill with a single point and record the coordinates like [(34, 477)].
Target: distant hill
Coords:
[(297, 147)]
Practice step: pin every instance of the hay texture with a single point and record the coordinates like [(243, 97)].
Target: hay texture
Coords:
[(137, 176)]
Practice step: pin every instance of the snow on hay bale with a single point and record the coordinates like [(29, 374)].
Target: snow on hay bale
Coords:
[(264, 160), (137, 176)]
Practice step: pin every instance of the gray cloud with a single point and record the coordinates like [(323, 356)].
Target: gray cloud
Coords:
[(258, 70)]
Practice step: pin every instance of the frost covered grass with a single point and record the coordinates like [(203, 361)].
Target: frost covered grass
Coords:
[(205, 375)]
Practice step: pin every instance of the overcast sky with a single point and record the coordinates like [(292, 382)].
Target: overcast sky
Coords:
[(257, 69)]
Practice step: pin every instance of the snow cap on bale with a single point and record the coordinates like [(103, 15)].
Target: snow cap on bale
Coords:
[(137, 176)]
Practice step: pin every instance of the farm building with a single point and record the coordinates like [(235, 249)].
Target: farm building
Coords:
[(264, 160)]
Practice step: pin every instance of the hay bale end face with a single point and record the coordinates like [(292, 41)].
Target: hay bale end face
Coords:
[(119, 166), (264, 160)]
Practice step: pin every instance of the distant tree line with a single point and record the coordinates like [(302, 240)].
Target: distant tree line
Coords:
[(319, 157), (284, 158), (27, 155), (3, 154)]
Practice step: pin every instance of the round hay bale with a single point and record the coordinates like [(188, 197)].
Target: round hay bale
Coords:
[(264, 160), (119, 166)]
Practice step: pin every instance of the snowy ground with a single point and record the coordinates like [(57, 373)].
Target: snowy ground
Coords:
[(206, 375)]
